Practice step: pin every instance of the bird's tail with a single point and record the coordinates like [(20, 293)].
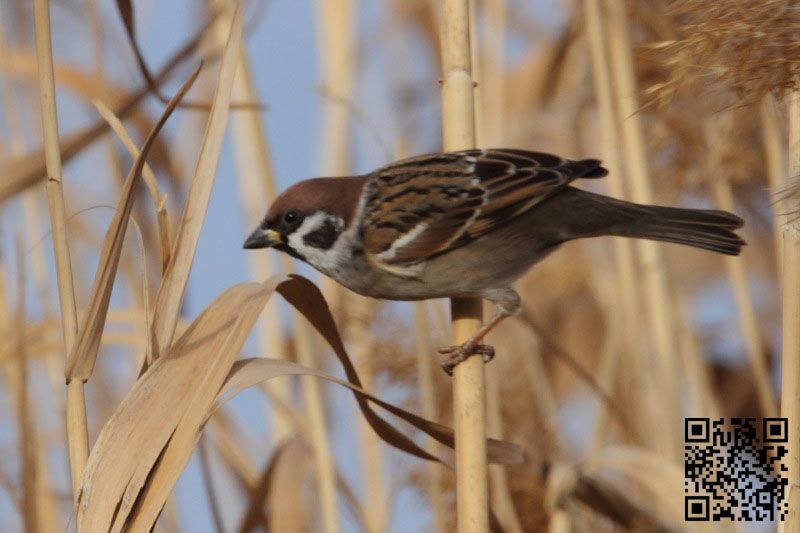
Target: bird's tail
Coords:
[(702, 228)]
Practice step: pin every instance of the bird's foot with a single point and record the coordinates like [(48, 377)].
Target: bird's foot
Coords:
[(452, 356)]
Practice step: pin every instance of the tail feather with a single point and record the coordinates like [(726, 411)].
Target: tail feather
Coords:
[(702, 228)]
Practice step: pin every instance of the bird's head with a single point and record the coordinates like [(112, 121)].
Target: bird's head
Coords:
[(307, 219)]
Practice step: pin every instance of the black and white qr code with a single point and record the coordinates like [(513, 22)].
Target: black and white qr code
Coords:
[(733, 469)]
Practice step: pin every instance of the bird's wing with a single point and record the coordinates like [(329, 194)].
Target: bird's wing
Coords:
[(426, 205)]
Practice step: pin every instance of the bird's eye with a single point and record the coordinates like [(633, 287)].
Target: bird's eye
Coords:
[(291, 217)]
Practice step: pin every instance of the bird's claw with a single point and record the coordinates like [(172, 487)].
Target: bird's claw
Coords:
[(452, 356)]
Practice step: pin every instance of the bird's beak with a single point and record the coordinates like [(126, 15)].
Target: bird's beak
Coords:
[(262, 238)]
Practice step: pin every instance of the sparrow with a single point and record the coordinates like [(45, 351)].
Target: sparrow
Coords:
[(465, 224)]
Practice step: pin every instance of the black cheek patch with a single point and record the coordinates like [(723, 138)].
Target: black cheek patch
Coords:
[(324, 237)]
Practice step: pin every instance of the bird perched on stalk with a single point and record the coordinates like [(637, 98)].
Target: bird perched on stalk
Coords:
[(465, 224)]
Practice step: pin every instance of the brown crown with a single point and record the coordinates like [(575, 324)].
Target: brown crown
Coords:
[(338, 196)]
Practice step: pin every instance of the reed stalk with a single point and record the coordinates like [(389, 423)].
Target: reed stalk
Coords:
[(469, 378), (77, 433), (30, 208), (651, 262), (790, 350)]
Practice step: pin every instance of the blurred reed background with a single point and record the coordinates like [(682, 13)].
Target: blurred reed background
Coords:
[(688, 103)]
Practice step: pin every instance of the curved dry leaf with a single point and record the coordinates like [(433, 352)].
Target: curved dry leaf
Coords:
[(307, 298), (81, 359), (143, 447), (248, 372)]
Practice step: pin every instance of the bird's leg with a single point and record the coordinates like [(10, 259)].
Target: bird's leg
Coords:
[(508, 303), (452, 356)]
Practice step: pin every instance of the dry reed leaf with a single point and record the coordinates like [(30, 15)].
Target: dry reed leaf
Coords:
[(289, 508), (80, 361), (159, 199), (146, 443), (179, 449), (307, 298), (22, 172), (173, 285), (151, 434), (249, 372)]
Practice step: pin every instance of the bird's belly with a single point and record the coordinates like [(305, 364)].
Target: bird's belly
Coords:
[(493, 261), (490, 262)]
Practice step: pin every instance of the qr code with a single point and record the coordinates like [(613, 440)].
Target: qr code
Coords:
[(733, 469)]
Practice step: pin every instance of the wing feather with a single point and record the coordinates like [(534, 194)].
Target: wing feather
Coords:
[(426, 205)]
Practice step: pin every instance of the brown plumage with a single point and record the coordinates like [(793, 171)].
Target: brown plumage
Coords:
[(459, 197), (466, 223)]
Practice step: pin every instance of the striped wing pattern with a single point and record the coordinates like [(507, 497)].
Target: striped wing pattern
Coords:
[(426, 205)]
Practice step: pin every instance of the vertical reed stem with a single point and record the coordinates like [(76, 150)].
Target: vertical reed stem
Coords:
[(77, 433), (469, 378), (790, 354)]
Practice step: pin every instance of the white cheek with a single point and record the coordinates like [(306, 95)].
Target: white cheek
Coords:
[(327, 261)]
